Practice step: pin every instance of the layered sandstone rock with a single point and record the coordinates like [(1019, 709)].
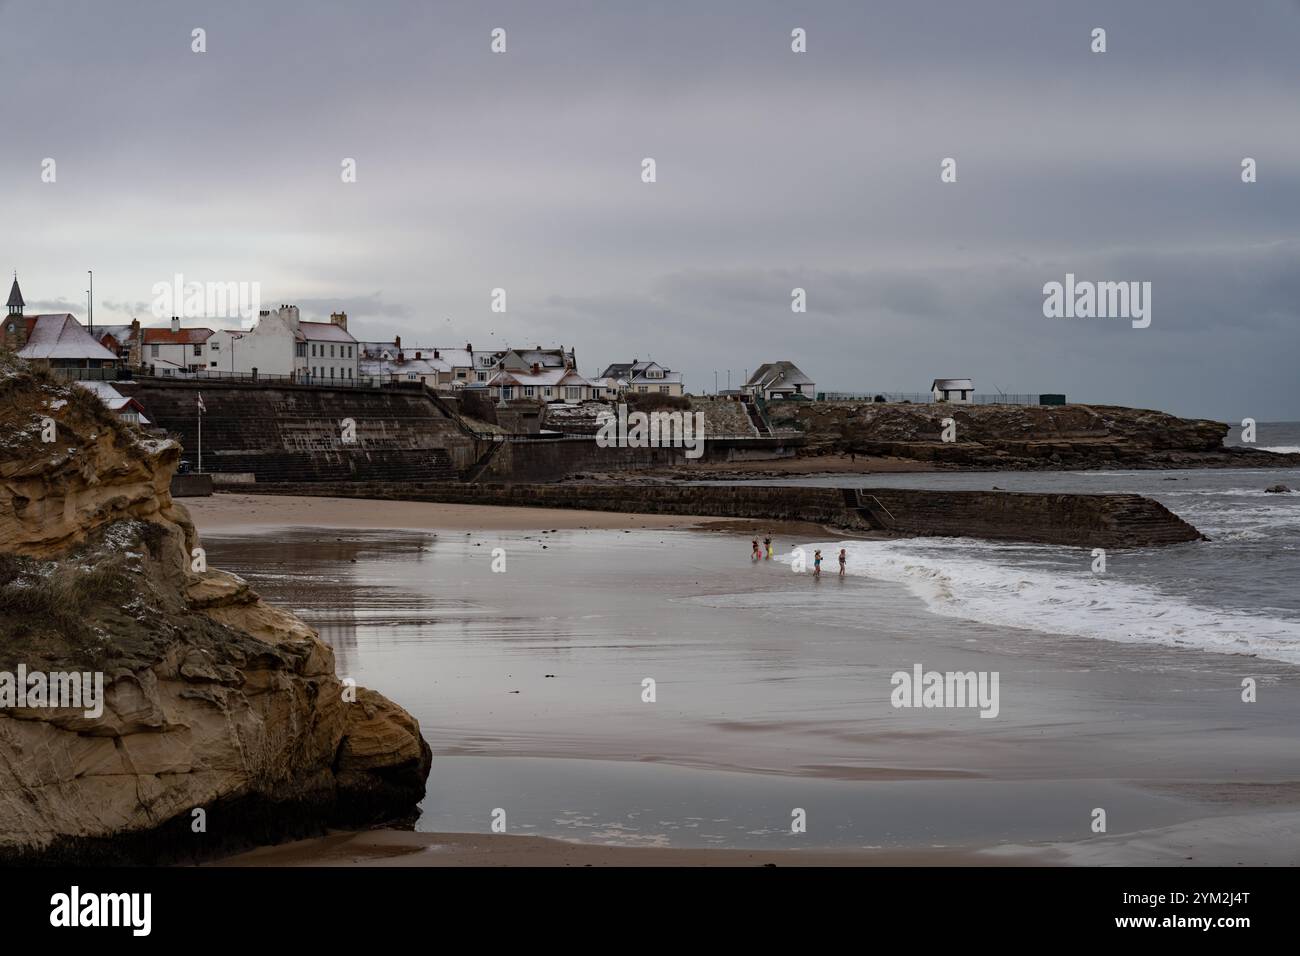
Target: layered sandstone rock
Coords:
[(213, 699)]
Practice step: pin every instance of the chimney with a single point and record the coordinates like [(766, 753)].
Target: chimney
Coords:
[(468, 347), (340, 319), (135, 345), (176, 323), (537, 368), (417, 356), (397, 340), (435, 353)]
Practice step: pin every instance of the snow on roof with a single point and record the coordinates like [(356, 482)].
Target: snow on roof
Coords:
[(778, 374), (666, 378), (547, 376), (420, 366), (952, 384), (61, 337), (111, 397), (324, 332)]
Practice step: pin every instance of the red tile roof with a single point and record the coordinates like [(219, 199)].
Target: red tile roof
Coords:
[(183, 337)]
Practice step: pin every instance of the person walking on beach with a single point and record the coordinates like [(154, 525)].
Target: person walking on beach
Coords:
[(817, 564), (843, 558), (767, 546)]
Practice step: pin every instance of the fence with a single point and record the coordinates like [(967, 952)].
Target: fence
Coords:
[(142, 374), (926, 398)]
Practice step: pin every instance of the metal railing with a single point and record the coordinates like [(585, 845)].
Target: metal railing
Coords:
[(927, 398)]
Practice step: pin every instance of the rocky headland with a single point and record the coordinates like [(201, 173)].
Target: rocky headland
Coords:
[(1016, 437), (223, 723)]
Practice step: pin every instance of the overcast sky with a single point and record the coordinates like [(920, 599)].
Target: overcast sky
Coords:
[(819, 170)]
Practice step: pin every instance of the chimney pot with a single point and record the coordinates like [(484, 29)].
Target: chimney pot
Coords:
[(176, 323)]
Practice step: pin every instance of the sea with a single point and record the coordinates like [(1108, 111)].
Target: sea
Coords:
[(1238, 593)]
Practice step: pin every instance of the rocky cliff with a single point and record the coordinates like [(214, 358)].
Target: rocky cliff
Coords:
[(1017, 436), (223, 722)]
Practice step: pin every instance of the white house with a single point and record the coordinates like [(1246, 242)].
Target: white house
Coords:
[(332, 352), (487, 364), (956, 391), (776, 380), (542, 384), (185, 348), (434, 366), (645, 377), (281, 344)]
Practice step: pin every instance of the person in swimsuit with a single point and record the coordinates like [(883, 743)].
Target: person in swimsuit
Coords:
[(817, 564), (757, 554), (767, 545), (843, 558)]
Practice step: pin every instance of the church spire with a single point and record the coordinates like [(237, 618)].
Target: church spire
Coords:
[(16, 302)]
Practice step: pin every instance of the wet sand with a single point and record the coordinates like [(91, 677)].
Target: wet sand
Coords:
[(227, 512), (772, 693), (395, 848)]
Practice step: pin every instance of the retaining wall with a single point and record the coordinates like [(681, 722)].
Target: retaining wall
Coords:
[(1086, 521)]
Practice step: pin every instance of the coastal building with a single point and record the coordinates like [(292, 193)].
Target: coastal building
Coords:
[(282, 344), (778, 380), (127, 409), (53, 341), (186, 348), (956, 391), (642, 378), (608, 389), (542, 384), (332, 353), (435, 367)]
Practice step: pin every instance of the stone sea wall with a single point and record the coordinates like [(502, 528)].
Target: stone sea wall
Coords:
[(1086, 521)]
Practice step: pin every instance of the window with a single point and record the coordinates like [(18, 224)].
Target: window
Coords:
[(460, 373), (198, 349), (549, 391), (529, 391), (411, 376), (507, 392), (300, 350), (213, 364), (313, 350), (572, 391), (331, 369), (642, 389), (481, 376), (349, 351), (331, 356), (153, 351), (664, 388)]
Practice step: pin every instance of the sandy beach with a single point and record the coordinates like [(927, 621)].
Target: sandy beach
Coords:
[(773, 694), (241, 511)]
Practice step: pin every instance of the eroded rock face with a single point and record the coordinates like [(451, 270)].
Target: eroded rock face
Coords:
[(213, 699)]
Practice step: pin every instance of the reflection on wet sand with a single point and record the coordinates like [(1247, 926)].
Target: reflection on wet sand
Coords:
[(772, 693)]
